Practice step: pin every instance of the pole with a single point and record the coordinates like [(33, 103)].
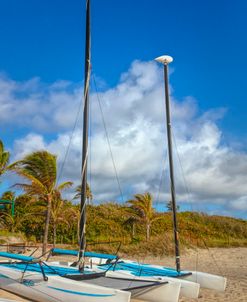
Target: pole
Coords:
[(85, 134), (165, 60), (173, 193)]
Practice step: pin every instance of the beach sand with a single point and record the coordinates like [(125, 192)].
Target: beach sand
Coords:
[(230, 263)]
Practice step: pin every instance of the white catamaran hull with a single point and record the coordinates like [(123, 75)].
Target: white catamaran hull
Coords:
[(205, 280), (190, 284), (165, 292), (57, 288), (209, 281), (188, 289), (168, 292)]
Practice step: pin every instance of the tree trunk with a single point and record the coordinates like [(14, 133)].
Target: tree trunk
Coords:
[(47, 222), (133, 230), (78, 231), (54, 234), (148, 231)]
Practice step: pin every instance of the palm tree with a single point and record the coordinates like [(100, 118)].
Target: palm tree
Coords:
[(131, 220), (4, 159), (169, 206), (8, 196), (141, 209), (89, 195), (13, 223), (40, 169), (60, 212), (74, 215)]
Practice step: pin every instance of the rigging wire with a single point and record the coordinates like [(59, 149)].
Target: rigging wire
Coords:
[(70, 140), (186, 186), (84, 205), (90, 152), (182, 170), (212, 256), (163, 170), (188, 196), (69, 145), (108, 139), (173, 192)]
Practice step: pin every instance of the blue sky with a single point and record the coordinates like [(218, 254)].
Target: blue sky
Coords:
[(45, 40), (208, 41)]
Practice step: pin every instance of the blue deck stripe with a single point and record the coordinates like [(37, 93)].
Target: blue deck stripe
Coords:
[(143, 270), (49, 270), (82, 293), (3, 276)]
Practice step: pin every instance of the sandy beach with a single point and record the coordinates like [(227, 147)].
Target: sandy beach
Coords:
[(228, 262)]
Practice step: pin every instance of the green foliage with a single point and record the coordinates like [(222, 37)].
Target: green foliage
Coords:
[(169, 206), (8, 195), (89, 195), (106, 222), (4, 159), (136, 224), (141, 210), (40, 170)]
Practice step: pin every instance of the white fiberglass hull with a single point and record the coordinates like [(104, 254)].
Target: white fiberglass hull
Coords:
[(163, 293), (166, 291), (188, 289), (56, 288), (205, 280), (209, 281)]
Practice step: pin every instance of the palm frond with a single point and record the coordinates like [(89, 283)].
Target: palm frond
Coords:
[(64, 185), (4, 158)]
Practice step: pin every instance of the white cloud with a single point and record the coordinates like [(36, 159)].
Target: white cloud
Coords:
[(38, 106), (239, 204), (134, 114), (30, 143)]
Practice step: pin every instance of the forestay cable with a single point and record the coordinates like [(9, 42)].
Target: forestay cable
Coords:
[(108, 140)]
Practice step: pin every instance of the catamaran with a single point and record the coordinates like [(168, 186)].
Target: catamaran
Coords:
[(190, 281), (31, 278), (120, 268), (128, 267), (38, 280)]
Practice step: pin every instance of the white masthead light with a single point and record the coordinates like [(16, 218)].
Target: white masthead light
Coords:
[(164, 59)]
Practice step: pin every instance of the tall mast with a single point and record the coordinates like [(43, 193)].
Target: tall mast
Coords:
[(85, 133), (165, 60)]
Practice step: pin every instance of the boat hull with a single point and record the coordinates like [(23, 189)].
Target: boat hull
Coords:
[(205, 280), (57, 288), (144, 289), (209, 281), (188, 289)]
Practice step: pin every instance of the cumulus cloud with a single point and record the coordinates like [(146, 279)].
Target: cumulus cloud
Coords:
[(42, 107), (214, 172)]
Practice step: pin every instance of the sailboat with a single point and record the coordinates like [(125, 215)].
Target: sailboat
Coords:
[(33, 279), (127, 267), (190, 281), (187, 278)]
